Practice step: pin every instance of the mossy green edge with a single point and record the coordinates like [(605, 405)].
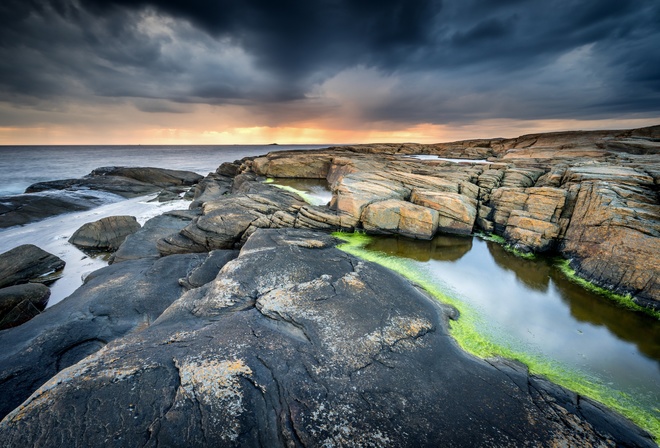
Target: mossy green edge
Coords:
[(508, 247), (624, 301), (464, 331), (307, 198)]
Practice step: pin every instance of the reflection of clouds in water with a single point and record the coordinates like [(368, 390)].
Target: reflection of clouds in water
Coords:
[(536, 317)]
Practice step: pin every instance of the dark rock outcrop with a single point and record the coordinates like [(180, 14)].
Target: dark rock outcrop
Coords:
[(26, 208), (298, 344), (105, 234), (27, 263), (116, 300), (125, 181), (20, 303)]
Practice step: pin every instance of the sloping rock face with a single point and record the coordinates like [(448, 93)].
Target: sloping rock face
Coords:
[(113, 301), (298, 344), (105, 234), (27, 262)]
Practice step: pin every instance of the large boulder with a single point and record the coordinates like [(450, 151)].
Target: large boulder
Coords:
[(298, 344), (400, 217), (25, 263), (20, 303), (456, 212), (105, 234)]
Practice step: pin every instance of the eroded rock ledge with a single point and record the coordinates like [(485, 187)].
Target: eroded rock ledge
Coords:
[(296, 343)]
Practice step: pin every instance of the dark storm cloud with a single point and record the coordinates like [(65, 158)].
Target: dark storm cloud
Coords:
[(453, 60)]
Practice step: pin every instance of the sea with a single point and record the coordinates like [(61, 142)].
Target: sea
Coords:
[(22, 166)]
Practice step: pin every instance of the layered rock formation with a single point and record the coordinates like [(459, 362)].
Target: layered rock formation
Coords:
[(589, 196)]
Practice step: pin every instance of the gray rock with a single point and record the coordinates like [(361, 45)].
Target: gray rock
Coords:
[(26, 208), (208, 270), (142, 244), (20, 303), (124, 181), (116, 300), (298, 344), (27, 262), (105, 234)]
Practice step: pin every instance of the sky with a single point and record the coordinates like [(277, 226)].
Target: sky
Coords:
[(323, 71)]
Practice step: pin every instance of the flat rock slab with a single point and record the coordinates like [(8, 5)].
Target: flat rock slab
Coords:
[(27, 262), (296, 343)]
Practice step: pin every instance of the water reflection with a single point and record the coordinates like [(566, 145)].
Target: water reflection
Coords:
[(529, 306), (441, 248)]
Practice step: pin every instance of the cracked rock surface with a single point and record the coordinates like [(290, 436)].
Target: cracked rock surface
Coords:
[(296, 343)]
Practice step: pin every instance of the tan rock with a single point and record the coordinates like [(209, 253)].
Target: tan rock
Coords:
[(400, 217), (456, 212), (303, 165), (614, 238)]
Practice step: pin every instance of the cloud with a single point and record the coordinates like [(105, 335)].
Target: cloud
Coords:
[(372, 61)]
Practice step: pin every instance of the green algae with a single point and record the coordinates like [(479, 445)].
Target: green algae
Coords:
[(624, 301), (508, 247), (304, 195), (466, 332)]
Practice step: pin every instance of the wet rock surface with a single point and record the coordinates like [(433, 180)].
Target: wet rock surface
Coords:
[(47, 199), (295, 343), (27, 263)]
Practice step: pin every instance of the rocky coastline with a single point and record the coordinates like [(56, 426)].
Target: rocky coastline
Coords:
[(237, 322)]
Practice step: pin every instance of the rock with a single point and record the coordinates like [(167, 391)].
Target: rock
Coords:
[(125, 181), (116, 300), (211, 188), (357, 191), (208, 270), (26, 208), (456, 213), (166, 196), (298, 344), (27, 263), (309, 164), (143, 243), (20, 303), (613, 238), (400, 217), (105, 234)]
